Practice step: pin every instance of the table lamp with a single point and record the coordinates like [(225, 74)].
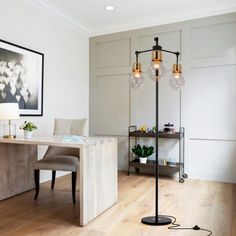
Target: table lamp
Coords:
[(9, 111)]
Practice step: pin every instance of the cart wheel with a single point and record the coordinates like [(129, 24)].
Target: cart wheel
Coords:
[(181, 180), (137, 170), (185, 176)]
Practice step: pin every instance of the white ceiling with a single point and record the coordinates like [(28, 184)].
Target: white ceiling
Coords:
[(131, 14)]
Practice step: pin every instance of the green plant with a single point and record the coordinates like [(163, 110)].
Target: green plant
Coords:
[(28, 126), (154, 129), (144, 151)]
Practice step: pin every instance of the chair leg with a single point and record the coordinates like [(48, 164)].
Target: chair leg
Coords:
[(53, 179), (36, 179), (74, 178)]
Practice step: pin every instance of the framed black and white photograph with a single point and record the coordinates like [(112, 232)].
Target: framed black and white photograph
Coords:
[(21, 78)]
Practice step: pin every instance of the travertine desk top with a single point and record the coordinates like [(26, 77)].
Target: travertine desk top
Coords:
[(56, 141)]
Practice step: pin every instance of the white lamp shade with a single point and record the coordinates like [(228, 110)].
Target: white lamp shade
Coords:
[(9, 111)]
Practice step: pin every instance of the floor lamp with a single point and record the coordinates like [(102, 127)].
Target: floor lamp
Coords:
[(176, 81)]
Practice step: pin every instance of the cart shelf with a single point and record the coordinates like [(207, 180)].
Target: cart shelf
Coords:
[(176, 135), (152, 164)]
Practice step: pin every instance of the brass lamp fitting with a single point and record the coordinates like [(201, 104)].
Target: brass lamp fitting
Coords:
[(177, 68), (137, 67), (157, 56)]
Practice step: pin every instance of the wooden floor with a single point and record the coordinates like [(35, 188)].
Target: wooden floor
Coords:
[(208, 204)]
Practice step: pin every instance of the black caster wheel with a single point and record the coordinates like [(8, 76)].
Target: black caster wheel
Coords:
[(181, 180), (137, 170), (185, 176)]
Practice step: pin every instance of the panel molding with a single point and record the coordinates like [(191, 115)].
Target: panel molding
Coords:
[(113, 71), (216, 162), (221, 124), (113, 48), (108, 107), (211, 139), (213, 61), (216, 36)]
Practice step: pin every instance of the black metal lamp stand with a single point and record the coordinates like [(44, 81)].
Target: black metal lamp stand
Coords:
[(157, 219)]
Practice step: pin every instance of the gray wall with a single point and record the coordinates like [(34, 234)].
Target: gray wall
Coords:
[(206, 106)]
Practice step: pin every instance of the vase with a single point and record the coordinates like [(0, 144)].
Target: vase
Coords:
[(27, 134), (143, 160)]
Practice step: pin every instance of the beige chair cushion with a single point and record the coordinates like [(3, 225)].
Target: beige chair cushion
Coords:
[(58, 162), (52, 151)]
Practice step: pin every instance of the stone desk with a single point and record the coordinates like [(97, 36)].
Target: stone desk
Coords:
[(98, 170)]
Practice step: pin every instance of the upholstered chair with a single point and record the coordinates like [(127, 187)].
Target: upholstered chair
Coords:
[(61, 158)]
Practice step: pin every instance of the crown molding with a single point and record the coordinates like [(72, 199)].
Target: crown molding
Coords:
[(161, 19), (167, 18), (62, 15)]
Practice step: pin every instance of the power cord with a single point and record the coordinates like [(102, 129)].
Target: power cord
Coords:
[(176, 226)]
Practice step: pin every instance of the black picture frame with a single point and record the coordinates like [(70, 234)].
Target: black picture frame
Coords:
[(21, 78)]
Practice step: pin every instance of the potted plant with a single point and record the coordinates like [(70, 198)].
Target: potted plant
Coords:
[(28, 127), (143, 152)]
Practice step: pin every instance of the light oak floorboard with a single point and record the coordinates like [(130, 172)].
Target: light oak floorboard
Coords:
[(210, 205)]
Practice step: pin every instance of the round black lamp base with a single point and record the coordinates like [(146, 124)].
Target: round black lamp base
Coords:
[(151, 220)]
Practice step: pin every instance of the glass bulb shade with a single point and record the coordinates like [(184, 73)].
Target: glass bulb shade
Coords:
[(177, 80), (152, 70), (136, 79)]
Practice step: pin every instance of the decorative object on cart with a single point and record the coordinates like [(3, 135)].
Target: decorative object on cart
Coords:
[(9, 111), (153, 130), (176, 81), (169, 128), (143, 128), (163, 162), (28, 128), (143, 152), (21, 73)]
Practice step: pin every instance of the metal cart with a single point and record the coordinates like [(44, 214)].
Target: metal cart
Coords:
[(177, 166)]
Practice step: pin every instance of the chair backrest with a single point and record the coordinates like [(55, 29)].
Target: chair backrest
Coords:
[(67, 127), (70, 126)]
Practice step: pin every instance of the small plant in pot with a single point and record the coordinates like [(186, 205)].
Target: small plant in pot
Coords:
[(143, 152), (28, 127)]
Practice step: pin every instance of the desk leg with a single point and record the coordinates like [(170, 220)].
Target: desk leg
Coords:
[(98, 179), (16, 169)]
